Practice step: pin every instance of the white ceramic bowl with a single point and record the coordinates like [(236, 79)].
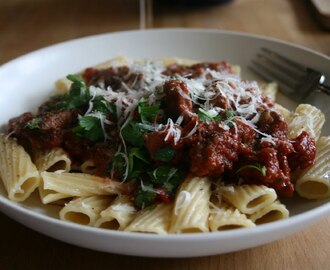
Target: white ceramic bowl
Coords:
[(28, 80)]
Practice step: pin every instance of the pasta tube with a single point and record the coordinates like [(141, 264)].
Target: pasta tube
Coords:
[(269, 89), (314, 182), (55, 160), (85, 210), (191, 206), (248, 199), (306, 118), (57, 186), (275, 211), (19, 175), (88, 167), (118, 215), (156, 220), (225, 217)]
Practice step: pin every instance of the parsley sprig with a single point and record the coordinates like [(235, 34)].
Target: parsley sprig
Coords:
[(79, 93), (260, 168), (166, 178), (165, 153), (133, 133), (147, 112), (206, 117), (34, 123), (90, 127)]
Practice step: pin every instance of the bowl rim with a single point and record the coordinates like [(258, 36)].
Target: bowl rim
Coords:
[(312, 215)]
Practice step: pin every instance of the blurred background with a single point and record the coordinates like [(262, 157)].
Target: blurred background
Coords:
[(27, 25)]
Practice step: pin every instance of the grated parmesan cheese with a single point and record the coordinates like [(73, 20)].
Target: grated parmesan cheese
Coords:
[(123, 208), (183, 199)]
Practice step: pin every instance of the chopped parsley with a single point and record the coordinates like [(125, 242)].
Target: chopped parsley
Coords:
[(78, 94), (118, 165), (165, 154), (34, 123), (261, 168), (137, 162), (167, 177), (90, 127), (133, 134), (162, 174), (204, 116), (148, 113), (229, 114), (103, 106), (144, 198)]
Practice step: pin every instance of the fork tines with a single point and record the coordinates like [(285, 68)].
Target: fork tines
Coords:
[(274, 67)]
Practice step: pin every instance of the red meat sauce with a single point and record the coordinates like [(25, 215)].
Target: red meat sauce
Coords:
[(214, 149)]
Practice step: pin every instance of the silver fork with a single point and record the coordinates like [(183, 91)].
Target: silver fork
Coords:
[(294, 79)]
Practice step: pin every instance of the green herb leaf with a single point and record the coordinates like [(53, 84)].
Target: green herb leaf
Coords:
[(230, 124), (261, 168), (77, 85), (166, 177), (229, 114), (118, 165), (137, 162), (204, 116), (171, 187), (217, 118), (76, 78), (90, 127), (103, 106), (147, 112), (165, 153), (133, 134), (76, 97), (34, 123), (162, 174), (77, 101), (144, 198)]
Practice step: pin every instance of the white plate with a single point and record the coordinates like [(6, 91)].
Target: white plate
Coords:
[(28, 80)]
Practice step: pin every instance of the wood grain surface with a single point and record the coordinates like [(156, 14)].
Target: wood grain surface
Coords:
[(27, 25)]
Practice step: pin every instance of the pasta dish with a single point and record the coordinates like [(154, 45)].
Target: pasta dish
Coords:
[(165, 146)]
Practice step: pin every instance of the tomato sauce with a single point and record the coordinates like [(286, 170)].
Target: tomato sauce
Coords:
[(228, 148)]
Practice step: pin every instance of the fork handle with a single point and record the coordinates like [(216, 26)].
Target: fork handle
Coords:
[(324, 88)]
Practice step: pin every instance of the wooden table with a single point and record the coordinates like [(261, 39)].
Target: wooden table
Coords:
[(29, 25)]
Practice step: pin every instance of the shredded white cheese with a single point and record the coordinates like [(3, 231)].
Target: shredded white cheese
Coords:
[(183, 199), (123, 208)]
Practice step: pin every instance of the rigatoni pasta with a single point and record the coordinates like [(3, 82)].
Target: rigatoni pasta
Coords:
[(306, 117), (191, 206), (55, 160), (143, 146), (269, 89), (79, 184), (314, 182), (88, 167), (225, 217), (156, 220), (274, 212), (118, 215), (248, 198), (17, 172), (84, 210)]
